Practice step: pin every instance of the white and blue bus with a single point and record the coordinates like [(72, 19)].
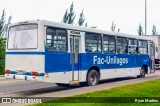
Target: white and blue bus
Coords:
[(47, 51)]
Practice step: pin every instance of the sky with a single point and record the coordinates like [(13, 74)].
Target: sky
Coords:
[(126, 14)]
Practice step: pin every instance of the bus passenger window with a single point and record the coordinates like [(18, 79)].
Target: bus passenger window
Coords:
[(93, 42), (109, 44), (56, 40), (132, 46), (121, 45), (143, 47)]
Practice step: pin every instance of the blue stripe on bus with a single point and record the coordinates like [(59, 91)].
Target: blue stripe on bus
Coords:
[(28, 73), (25, 53), (25, 73), (12, 72), (61, 62)]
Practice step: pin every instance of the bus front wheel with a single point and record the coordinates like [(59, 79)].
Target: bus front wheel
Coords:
[(92, 78)]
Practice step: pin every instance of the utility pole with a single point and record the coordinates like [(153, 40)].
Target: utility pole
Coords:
[(145, 17)]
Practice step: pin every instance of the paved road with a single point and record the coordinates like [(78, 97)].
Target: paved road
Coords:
[(19, 88)]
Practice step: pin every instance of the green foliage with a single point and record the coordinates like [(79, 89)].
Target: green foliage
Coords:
[(2, 55), (70, 16), (81, 19), (3, 24), (2, 48), (3, 32), (140, 30), (154, 32), (2, 64), (113, 27), (86, 24), (65, 17)]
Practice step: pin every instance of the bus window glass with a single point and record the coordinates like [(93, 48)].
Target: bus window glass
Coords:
[(121, 45), (93, 42), (108, 44), (23, 37), (56, 40), (132, 46), (143, 47)]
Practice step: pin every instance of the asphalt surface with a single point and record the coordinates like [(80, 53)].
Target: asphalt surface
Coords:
[(20, 88)]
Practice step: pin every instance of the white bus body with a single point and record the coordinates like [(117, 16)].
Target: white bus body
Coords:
[(47, 51)]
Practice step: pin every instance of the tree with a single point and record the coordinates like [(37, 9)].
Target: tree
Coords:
[(3, 24), (154, 32), (2, 54), (140, 30), (71, 15), (86, 24), (113, 27), (2, 48), (81, 19), (65, 17), (3, 31), (118, 30)]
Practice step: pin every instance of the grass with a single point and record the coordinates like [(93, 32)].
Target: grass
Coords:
[(140, 90)]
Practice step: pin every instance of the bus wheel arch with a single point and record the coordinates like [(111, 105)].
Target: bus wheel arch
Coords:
[(143, 71), (145, 68), (93, 76)]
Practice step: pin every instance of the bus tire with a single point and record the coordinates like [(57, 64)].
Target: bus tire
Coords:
[(142, 72), (92, 78)]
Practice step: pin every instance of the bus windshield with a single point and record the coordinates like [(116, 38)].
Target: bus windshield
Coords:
[(23, 37)]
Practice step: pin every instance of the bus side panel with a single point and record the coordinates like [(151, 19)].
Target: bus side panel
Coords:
[(58, 77), (113, 65), (57, 62), (57, 65), (110, 61)]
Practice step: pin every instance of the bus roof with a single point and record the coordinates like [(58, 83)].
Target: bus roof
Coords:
[(80, 28)]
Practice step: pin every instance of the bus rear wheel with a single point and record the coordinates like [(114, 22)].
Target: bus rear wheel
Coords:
[(92, 78)]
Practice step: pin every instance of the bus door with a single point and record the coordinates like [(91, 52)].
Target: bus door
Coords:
[(152, 56), (74, 56)]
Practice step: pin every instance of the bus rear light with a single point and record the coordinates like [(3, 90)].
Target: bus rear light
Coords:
[(8, 71), (47, 75), (34, 77), (34, 73), (64, 72)]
